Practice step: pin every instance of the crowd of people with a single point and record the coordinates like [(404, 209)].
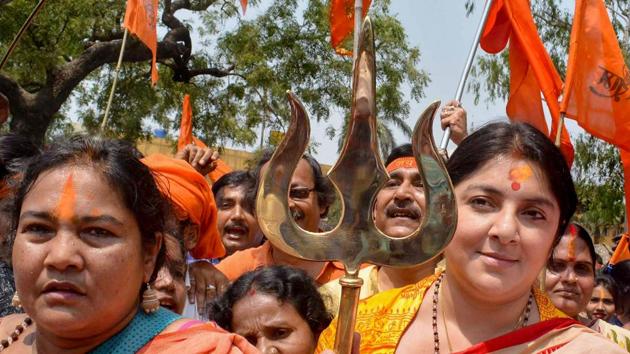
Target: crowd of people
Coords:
[(105, 250)]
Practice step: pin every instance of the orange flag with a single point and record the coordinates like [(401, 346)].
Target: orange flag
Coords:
[(185, 127), (597, 90), (531, 70), (622, 253), (625, 159), (186, 137), (244, 6), (342, 22), (141, 19)]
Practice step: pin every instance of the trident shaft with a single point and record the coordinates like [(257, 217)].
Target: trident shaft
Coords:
[(358, 175)]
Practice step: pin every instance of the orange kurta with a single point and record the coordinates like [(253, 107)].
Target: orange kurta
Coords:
[(247, 260)]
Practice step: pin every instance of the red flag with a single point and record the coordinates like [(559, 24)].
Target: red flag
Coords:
[(244, 6), (531, 70), (342, 22), (141, 19), (597, 90)]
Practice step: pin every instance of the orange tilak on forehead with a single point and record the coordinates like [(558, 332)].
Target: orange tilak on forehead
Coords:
[(65, 207), (600, 292), (573, 236), (519, 175)]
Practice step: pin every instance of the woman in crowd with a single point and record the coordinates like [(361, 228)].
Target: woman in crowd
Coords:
[(278, 309), (570, 274), (170, 283), (15, 152), (602, 303), (621, 274), (88, 221), (514, 196)]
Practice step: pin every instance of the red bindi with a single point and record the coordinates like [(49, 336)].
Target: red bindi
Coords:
[(516, 186)]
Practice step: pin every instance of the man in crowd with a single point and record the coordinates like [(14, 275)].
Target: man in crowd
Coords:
[(235, 194), (398, 211), (193, 218), (310, 197)]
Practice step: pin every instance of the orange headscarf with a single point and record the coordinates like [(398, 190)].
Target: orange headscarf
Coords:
[(191, 194)]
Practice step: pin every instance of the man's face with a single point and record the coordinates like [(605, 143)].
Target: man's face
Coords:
[(235, 219), (400, 203), (303, 202), (303, 198)]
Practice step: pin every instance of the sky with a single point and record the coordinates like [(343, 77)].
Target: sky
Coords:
[(444, 35)]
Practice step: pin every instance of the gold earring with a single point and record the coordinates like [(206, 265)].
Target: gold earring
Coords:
[(15, 301), (150, 302)]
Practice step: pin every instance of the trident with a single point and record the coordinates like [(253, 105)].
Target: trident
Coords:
[(357, 175)]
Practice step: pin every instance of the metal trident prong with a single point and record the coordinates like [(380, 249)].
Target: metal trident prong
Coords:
[(358, 175)]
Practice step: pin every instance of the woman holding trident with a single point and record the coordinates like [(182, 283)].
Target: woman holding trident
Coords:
[(514, 197)]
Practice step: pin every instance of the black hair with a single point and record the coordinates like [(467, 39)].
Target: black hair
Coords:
[(620, 272), (523, 141), (244, 179), (404, 150), (116, 160), (15, 152), (287, 284), (608, 283), (325, 192)]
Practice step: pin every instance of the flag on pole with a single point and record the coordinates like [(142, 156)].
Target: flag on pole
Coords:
[(244, 6), (597, 90), (342, 22), (141, 19), (531, 70), (186, 137), (622, 253)]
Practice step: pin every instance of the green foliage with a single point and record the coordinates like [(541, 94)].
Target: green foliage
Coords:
[(278, 51), (285, 48), (598, 178)]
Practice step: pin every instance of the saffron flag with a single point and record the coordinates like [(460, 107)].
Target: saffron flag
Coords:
[(342, 22), (185, 127), (186, 137), (625, 160), (531, 70), (141, 19), (244, 6), (597, 90), (622, 253)]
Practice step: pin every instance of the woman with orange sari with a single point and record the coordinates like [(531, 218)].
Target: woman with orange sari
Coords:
[(88, 221), (514, 197)]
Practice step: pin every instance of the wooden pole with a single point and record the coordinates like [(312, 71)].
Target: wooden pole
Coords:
[(116, 71), (559, 129), (21, 32)]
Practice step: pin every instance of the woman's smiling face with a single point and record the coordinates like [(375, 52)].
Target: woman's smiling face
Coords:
[(507, 220)]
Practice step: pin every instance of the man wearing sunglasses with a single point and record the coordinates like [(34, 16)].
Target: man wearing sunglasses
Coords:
[(310, 196)]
